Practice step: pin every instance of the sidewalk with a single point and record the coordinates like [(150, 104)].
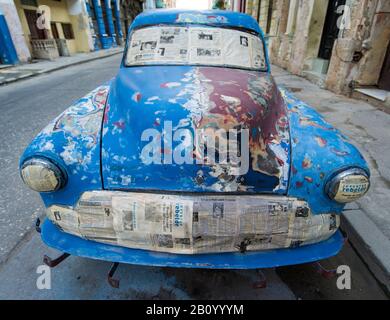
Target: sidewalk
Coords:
[(22, 71), (367, 222)]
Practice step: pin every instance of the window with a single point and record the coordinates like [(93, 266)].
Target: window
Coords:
[(67, 30), (32, 3), (195, 45), (54, 30)]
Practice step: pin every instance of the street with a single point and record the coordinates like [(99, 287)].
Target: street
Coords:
[(26, 107)]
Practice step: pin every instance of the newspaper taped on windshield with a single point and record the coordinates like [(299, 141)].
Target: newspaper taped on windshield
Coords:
[(195, 45)]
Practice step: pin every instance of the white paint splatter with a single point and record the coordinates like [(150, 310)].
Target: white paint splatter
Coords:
[(48, 146)]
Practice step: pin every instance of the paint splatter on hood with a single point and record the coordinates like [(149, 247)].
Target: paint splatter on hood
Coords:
[(195, 98)]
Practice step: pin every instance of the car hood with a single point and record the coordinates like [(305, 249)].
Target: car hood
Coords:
[(149, 105)]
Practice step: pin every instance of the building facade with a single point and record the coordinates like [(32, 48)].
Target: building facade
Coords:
[(342, 45), (13, 47), (54, 28), (169, 4), (47, 29), (129, 10)]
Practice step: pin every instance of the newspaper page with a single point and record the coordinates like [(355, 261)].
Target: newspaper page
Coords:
[(196, 45), (143, 46), (237, 48), (95, 218), (206, 45), (188, 224), (265, 223), (257, 53), (66, 218), (173, 45), (158, 222), (159, 44)]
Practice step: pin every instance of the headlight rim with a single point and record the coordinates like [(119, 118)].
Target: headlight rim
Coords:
[(60, 173), (340, 174)]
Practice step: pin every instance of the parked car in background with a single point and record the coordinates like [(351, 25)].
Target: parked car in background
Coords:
[(193, 157)]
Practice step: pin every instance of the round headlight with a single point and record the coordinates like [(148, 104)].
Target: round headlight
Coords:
[(42, 175), (348, 185)]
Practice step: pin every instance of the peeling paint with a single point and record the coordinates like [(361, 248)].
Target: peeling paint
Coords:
[(73, 140), (319, 150), (200, 98), (136, 97), (201, 18)]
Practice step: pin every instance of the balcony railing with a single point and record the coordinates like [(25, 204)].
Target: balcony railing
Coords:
[(44, 49)]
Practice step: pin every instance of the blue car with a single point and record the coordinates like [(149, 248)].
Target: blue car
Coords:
[(193, 157)]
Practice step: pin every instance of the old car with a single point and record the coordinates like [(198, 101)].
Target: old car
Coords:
[(193, 157)]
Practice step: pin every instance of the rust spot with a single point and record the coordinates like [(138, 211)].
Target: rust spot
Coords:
[(321, 141), (306, 163), (136, 96), (298, 184), (293, 169), (119, 124), (308, 179)]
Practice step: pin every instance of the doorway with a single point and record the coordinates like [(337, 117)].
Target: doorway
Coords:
[(35, 33), (384, 78), (331, 31)]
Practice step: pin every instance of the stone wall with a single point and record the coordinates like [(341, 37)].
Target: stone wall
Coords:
[(358, 53), (369, 37)]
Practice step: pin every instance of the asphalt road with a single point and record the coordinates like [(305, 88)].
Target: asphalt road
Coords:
[(26, 107)]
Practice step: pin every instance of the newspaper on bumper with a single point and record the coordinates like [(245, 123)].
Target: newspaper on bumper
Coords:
[(187, 224)]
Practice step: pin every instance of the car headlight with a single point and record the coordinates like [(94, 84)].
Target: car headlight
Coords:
[(348, 185), (42, 175)]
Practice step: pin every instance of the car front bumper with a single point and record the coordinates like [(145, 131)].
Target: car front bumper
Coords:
[(194, 224), (74, 245)]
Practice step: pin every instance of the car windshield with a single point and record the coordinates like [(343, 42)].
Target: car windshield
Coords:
[(195, 45)]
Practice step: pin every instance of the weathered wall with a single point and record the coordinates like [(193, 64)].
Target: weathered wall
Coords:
[(69, 11), (264, 4), (297, 41), (278, 26), (377, 43), (300, 38), (316, 26), (369, 35), (15, 28), (80, 21)]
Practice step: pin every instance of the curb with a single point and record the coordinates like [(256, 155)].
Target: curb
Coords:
[(373, 248), (49, 70)]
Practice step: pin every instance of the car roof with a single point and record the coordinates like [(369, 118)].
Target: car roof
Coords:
[(207, 17)]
